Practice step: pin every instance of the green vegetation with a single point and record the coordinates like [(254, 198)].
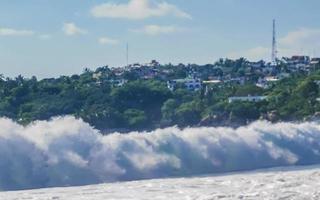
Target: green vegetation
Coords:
[(148, 104)]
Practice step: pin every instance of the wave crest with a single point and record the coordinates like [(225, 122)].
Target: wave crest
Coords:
[(66, 151)]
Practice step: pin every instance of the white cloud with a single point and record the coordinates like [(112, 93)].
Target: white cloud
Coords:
[(303, 36), (303, 41), (107, 41), (137, 10), (14, 32), (71, 29), (157, 30)]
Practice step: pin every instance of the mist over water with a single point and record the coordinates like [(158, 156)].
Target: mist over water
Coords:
[(68, 152)]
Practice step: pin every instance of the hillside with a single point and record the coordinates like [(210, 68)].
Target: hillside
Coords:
[(139, 103)]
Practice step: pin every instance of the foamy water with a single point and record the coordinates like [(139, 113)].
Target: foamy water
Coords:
[(68, 152), (277, 184)]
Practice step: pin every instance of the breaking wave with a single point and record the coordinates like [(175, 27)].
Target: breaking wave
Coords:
[(66, 151)]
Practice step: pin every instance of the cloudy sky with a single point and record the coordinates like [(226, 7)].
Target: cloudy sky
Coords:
[(61, 37)]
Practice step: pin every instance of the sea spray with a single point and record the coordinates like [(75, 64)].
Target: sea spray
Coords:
[(66, 151)]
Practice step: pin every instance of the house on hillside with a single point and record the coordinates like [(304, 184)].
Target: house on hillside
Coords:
[(267, 82), (235, 80), (298, 63), (118, 82), (189, 83), (119, 71), (153, 63), (315, 62), (210, 84)]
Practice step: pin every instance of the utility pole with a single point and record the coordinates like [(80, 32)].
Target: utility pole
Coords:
[(274, 45)]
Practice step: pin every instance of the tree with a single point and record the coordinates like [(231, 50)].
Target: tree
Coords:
[(168, 110), (187, 114), (135, 118), (244, 111)]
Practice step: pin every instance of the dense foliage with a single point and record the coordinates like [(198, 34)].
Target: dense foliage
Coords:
[(147, 104)]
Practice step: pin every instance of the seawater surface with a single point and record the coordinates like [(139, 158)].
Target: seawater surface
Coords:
[(284, 183)]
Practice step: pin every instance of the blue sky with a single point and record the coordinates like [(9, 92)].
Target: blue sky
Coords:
[(57, 37)]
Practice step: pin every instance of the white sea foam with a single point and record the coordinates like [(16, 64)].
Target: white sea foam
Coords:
[(275, 184), (68, 152)]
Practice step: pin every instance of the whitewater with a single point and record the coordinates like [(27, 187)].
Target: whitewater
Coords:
[(66, 151), (284, 183)]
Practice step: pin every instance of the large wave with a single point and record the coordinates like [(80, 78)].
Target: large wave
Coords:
[(66, 151)]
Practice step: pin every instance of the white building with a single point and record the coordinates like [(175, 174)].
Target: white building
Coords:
[(248, 99), (315, 61), (267, 82), (118, 82), (212, 82), (190, 84)]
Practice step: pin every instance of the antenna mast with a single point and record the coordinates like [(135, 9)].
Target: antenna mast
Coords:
[(127, 55), (274, 45)]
